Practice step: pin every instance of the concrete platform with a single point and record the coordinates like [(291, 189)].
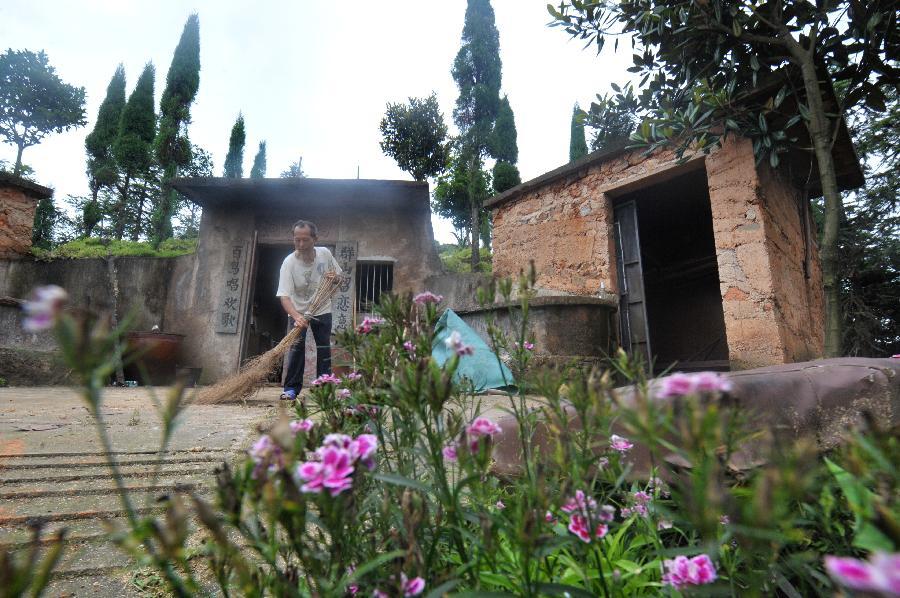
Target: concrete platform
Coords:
[(52, 467)]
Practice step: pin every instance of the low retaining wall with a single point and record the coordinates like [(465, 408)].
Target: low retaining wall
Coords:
[(566, 329)]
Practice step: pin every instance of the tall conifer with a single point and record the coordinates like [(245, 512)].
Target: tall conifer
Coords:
[(258, 171), (102, 170), (133, 147), (577, 140), (505, 149), (234, 160), (477, 72), (172, 146)]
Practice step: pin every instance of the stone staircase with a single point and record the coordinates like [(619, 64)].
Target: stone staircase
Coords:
[(57, 474)]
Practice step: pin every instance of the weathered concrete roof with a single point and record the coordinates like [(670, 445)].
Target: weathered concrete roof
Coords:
[(31, 189), (215, 192)]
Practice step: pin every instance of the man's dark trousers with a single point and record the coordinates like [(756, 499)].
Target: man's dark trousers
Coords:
[(321, 330)]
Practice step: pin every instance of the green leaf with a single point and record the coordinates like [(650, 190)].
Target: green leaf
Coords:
[(443, 588), (868, 537), (399, 480), (560, 589), (371, 566)]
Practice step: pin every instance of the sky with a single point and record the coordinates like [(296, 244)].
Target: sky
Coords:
[(311, 78)]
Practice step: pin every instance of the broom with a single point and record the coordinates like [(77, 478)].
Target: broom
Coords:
[(253, 373)]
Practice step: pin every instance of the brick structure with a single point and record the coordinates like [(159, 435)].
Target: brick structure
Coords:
[(18, 201), (728, 274)]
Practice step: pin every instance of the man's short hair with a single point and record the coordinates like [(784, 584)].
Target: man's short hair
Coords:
[(307, 224)]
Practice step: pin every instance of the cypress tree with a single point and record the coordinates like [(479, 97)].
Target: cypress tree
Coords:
[(102, 170), (477, 72), (505, 149), (172, 146), (577, 140), (234, 160), (259, 163), (45, 217), (505, 146), (133, 147)]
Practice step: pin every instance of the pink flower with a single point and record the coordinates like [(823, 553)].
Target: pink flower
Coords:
[(354, 376), (664, 524), (500, 505), (449, 452), (641, 498), (880, 574), (579, 503), (267, 455), (363, 450), (379, 594), (410, 348), (529, 346), (606, 513), (578, 525), (335, 465), (549, 518), (724, 520), (455, 344), (304, 425), (625, 512), (343, 393), (618, 443), (44, 306), (332, 473), (482, 427), (368, 324), (682, 571), (711, 382), (679, 385), (326, 379), (412, 587), (427, 297)]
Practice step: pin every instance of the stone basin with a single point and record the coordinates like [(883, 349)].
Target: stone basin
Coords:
[(155, 352)]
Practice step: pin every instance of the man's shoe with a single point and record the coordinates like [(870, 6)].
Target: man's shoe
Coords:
[(288, 395)]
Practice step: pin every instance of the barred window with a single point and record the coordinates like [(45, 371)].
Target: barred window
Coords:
[(372, 279)]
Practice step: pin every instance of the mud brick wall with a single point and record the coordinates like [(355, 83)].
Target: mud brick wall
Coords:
[(794, 260), (566, 227), (773, 311), (16, 221)]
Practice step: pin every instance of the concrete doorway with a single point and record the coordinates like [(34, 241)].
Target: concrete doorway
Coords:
[(670, 301)]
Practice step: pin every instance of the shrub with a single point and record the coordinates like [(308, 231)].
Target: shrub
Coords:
[(381, 483), (456, 259), (92, 247)]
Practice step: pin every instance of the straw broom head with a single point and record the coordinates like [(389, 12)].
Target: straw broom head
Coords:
[(255, 372)]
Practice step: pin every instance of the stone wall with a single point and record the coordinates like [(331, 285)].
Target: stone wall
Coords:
[(144, 286), (18, 201), (773, 312)]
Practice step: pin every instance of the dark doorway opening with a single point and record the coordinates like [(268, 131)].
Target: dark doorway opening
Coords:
[(677, 297), (268, 322)]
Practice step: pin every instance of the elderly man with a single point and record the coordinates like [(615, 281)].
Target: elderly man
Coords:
[(301, 273)]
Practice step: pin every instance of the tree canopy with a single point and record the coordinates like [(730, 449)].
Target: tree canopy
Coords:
[(415, 135), (34, 101)]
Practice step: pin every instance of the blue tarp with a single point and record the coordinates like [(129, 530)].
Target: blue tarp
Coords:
[(482, 368)]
